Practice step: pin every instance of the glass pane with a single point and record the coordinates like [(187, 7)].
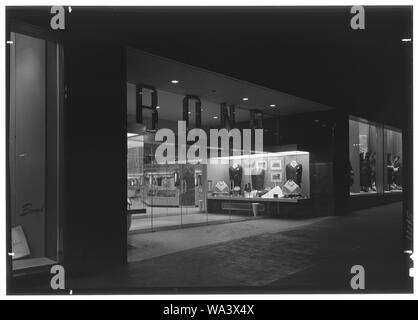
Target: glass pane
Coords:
[(365, 157), (137, 209), (34, 150), (393, 164)]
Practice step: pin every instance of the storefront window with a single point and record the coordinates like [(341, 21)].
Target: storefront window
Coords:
[(269, 175), (34, 152), (375, 158), (393, 160), (365, 157)]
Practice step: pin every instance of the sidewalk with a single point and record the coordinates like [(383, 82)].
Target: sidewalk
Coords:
[(315, 257)]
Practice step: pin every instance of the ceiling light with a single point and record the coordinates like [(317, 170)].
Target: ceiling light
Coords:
[(190, 112), (215, 117), (272, 105), (158, 107), (406, 40), (245, 99), (174, 81)]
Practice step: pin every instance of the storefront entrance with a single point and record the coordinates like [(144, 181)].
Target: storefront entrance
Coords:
[(162, 196), (249, 180)]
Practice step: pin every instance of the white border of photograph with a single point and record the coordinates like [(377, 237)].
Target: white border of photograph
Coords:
[(276, 164)]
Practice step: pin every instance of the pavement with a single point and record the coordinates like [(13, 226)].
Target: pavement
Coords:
[(154, 244), (264, 256)]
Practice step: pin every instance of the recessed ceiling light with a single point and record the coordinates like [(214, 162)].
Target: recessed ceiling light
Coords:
[(272, 105), (215, 117), (158, 107), (245, 99), (174, 81), (190, 112)]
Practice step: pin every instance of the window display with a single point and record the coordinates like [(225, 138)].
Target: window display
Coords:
[(393, 153), (375, 158), (34, 152), (364, 151), (269, 175)]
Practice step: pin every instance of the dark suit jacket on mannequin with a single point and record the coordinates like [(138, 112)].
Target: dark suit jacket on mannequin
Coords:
[(294, 173)]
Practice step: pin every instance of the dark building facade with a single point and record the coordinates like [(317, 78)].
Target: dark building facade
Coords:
[(354, 126)]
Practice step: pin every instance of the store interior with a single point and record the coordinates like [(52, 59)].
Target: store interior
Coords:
[(226, 188)]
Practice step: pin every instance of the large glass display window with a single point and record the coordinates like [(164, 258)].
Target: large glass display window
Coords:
[(267, 175), (36, 82), (375, 158), (365, 157), (393, 160)]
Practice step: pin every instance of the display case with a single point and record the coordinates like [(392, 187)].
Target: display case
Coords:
[(279, 174), (35, 134), (393, 156), (375, 158)]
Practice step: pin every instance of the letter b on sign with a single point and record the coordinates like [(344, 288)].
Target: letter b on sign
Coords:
[(357, 281), (58, 280)]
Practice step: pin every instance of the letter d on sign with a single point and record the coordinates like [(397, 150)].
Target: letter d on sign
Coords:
[(357, 281), (58, 280)]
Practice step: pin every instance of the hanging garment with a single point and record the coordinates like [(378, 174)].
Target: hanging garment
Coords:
[(294, 172), (291, 189), (365, 174), (235, 175), (397, 172), (257, 178)]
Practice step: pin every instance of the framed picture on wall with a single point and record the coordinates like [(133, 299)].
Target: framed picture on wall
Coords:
[(276, 177), (276, 164)]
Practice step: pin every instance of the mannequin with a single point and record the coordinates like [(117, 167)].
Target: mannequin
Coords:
[(397, 171), (365, 172), (294, 172), (257, 178), (235, 175)]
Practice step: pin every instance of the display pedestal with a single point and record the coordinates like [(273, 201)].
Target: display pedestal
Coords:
[(282, 207)]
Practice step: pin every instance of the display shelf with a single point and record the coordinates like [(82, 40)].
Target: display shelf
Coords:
[(231, 198)]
